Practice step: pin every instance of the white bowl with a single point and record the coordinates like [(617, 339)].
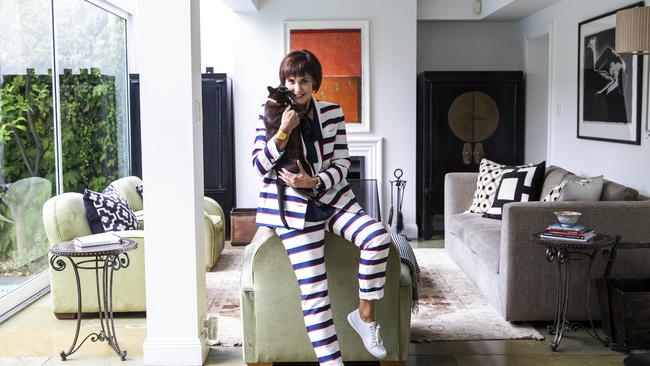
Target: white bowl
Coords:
[(567, 217)]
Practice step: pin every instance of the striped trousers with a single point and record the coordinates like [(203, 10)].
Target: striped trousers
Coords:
[(307, 255)]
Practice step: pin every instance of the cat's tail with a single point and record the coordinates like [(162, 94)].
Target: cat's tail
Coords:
[(281, 200)]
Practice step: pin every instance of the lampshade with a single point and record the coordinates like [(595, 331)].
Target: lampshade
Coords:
[(633, 31)]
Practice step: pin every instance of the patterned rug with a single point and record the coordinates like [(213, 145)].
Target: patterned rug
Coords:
[(451, 308)]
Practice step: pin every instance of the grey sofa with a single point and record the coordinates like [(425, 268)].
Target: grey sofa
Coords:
[(512, 272)]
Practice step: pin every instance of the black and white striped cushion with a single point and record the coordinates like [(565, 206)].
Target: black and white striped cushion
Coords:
[(517, 185)]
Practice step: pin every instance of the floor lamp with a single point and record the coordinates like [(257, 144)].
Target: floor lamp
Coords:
[(633, 38)]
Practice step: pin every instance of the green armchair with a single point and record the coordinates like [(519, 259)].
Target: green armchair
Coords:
[(64, 217), (270, 301), (213, 217)]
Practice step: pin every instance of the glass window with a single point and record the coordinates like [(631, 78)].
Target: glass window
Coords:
[(27, 163), (92, 67), (90, 121)]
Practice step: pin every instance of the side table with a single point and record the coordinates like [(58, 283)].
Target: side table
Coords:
[(563, 251), (104, 260)]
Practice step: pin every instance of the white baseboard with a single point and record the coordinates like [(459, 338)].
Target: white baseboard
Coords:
[(175, 351)]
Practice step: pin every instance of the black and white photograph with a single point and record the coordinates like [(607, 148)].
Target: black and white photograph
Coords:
[(609, 87)]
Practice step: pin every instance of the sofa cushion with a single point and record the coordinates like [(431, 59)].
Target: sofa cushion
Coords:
[(481, 235), (552, 178), (613, 191), (108, 211), (581, 189), (517, 185), (555, 193), (487, 183)]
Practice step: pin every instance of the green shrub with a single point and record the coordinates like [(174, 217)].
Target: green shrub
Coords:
[(89, 135)]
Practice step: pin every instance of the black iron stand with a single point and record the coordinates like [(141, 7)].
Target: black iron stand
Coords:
[(106, 264), (563, 252), (563, 257)]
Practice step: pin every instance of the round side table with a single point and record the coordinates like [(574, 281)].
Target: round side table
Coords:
[(563, 252), (104, 260)]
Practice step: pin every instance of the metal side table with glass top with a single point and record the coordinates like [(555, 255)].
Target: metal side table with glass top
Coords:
[(104, 260), (563, 252)]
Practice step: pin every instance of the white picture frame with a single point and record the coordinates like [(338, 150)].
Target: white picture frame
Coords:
[(363, 26)]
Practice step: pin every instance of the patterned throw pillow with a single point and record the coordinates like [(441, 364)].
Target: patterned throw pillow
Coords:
[(108, 211), (517, 185), (555, 193), (489, 177), (140, 189)]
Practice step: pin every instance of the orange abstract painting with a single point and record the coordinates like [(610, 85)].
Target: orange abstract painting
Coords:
[(339, 51)]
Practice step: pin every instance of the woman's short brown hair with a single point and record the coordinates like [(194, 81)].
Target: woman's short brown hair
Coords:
[(301, 63)]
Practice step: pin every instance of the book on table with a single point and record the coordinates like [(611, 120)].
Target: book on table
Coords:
[(568, 232), (96, 240), (583, 238)]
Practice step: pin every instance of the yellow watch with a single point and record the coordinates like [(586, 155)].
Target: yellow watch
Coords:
[(282, 135)]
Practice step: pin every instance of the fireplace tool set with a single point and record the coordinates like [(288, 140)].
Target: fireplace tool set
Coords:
[(399, 184)]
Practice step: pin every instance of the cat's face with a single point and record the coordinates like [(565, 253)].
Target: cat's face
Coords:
[(281, 94)]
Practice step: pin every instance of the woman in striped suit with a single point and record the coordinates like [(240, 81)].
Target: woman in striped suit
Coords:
[(330, 205)]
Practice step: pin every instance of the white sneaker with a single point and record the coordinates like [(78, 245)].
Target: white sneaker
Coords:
[(369, 333)]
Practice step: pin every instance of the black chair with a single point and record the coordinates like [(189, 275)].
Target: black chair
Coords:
[(368, 196)]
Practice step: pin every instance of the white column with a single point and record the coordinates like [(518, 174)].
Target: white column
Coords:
[(168, 61)]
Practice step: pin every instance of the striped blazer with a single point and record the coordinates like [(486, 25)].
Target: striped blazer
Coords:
[(332, 167)]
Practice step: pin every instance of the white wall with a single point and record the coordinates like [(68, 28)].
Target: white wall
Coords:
[(258, 48), (537, 90), (626, 164), (217, 28), (468, 46)]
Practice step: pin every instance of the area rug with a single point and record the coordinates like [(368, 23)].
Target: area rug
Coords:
[(450, 307)]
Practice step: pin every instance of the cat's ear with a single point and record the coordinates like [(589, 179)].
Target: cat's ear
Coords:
[(270, 89)]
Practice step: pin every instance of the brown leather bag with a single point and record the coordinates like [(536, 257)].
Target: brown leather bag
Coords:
[(242, 225)]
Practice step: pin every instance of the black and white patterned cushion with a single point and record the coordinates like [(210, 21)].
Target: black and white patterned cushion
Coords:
[(517, 185), (140, 189), (489, 177), (555, 193), (108, 211)]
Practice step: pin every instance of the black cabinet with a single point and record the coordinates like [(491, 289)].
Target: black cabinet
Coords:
[(218, 139), (134, 107), (219, 142), (461, 118)]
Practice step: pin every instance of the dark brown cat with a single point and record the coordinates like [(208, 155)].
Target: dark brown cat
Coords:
[(278, 100)]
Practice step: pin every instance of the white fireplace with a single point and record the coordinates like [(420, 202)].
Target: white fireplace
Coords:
[(371, 149)]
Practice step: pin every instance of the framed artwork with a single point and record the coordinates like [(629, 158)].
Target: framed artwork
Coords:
[(609, 85), (342, 48)]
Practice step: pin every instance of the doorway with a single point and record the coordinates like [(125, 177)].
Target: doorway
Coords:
[(537, 68)]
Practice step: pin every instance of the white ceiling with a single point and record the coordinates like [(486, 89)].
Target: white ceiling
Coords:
[(492, 10), (517, 9), (243, 5)]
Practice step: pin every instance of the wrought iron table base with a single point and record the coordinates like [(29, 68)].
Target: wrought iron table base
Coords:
[(561, 324), (106, 264)]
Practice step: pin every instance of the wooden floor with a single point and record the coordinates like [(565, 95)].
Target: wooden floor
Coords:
[(34, 337)]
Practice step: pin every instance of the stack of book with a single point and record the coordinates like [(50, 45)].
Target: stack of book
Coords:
[(567, 232), (96, 240)]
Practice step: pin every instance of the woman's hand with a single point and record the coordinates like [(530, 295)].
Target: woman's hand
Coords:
[(290, 119), (300, 180)]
